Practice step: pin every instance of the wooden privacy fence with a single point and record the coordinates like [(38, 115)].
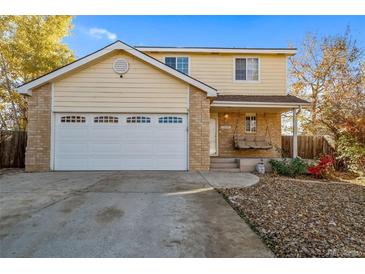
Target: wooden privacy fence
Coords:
[(309, 147), (12, 148)]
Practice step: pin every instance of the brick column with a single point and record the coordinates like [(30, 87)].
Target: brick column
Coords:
[(37, 156), (199, 116)]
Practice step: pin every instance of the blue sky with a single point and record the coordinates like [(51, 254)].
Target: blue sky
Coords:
[(91, 33)]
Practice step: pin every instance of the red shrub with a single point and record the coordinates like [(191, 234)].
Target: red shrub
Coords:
[(325, 163)]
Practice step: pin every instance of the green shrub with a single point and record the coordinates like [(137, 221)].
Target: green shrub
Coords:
[(289, 168), (299, 166), (280, 167)]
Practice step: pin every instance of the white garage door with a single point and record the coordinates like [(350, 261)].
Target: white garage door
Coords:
[(120, 142)]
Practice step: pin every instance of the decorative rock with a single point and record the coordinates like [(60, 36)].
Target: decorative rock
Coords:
[(305, 219)]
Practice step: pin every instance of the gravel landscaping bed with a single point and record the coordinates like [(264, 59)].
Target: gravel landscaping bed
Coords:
[(304, 219)]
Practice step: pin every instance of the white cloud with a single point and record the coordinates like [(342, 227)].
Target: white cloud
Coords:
[(100, 33)]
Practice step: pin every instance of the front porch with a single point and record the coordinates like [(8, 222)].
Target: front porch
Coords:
[(231, 124), (245, 130)]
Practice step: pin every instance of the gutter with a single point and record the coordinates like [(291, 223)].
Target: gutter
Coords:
[(220, 50), (257, 104)]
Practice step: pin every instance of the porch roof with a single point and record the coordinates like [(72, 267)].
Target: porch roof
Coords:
[(280, 101)]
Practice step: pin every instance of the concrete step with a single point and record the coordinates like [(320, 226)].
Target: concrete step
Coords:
[(224, 165), (225, 170), (223, 160)]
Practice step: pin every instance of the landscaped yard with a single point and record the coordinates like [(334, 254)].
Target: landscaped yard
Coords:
[(303, 218)]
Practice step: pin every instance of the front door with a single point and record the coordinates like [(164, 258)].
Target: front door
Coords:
[(213, 137)]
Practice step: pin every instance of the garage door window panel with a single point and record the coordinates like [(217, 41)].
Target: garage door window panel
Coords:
[(170, 120), (73, 119), (138, 120), (106, 119)]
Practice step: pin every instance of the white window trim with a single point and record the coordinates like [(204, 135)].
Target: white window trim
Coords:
[(251, 115), (246, 81), (178, 56)]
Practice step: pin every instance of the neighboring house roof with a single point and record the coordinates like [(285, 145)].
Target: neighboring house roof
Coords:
[(285, 51), (27, 87), (259, 100)]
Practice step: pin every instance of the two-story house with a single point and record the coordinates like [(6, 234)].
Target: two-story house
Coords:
[(159, 108)]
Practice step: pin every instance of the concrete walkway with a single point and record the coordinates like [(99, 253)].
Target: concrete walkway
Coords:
[(120, 214), (230, 179)]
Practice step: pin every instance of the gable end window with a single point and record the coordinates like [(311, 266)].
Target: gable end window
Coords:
[(179, 63), (250, 123), (138, 120), (246, 69), (73, 119)]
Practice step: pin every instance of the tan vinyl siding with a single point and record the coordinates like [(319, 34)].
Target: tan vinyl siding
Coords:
[(97, 88), (217, 70)]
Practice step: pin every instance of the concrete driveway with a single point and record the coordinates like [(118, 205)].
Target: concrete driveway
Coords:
[(120, 214)]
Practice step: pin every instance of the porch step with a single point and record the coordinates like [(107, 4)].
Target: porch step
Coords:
[(223, 160), (225, 170), (223, 165)]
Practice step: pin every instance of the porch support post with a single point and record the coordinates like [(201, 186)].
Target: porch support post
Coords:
[(295, 134)]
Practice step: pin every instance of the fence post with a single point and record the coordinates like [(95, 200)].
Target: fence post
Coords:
[(295, 134)]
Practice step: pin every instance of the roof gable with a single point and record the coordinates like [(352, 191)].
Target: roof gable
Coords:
[(118, 45)]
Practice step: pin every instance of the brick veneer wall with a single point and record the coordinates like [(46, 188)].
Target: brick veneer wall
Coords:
[(199, 116), (225, 134), (37, 156)]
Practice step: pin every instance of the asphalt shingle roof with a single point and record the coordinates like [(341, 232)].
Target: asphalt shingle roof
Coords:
[(261, 98)]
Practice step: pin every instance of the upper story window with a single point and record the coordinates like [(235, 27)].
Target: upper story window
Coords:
[(179, 63), (250, 125), (246, 69)]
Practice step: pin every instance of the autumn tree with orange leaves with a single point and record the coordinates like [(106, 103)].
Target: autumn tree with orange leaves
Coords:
[(330, 73)]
